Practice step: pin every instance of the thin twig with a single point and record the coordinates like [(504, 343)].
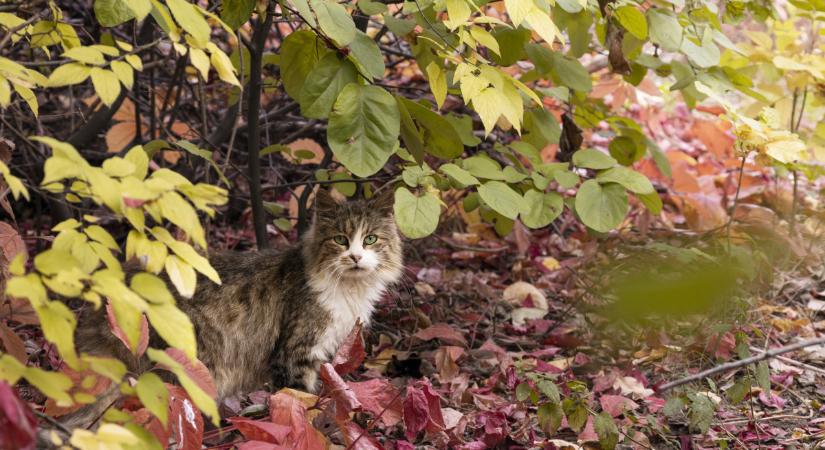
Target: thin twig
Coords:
[(741, 363)]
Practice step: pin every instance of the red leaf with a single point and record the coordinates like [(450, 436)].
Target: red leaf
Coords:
[(19, 310), (12, 343), (288, 411), (260, 445), (351, 353), (143, 343), (150, 423), (17, 423), (261, 431), (615, 405), (444, 332), (345, 400), (416, 412), (10, 242), (436, 422), (356, 438), (196, 370), (380, 398), (185, 420)]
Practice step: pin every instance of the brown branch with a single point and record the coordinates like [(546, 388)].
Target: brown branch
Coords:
[(741, 363), (256, 51)]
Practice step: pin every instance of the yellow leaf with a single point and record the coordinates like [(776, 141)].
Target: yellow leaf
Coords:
[(134, 61), (85, 255), (178, 211), (58, 323), (128, 318), (124, 73), (191, 19), (5, 92), (182, 275), (485, 38), (200, 61), (69, 74), (518, 10), (97, 233), (117, 167), (53, 261), (201, 399), (459, 12), (174, 326), (88, 55), (152, 288), (138, 157), (541, 23), (29, 287), (28, 96), (54, 385), (106, 85), (187, 253), (488, 106), (109, 436), (438, 82), (223, 65), (10, 369), (111, 368), (153, 394)]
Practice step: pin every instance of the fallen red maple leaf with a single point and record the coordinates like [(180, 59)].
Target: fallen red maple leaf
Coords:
[(379, 397), (185, 419), (17, 422), (256, 430), (351, 353), (444, 332), (344, 397), (288, 411)]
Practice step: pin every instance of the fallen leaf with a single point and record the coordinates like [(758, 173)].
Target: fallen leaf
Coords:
[(17, 422), (630, 385), (444, 332), (12, 344), (185, 420), (260, 430), (286, 410), (381, 398), (344, 397), (351, 353)]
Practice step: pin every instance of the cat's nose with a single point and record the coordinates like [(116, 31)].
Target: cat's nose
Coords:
[(355, 258)]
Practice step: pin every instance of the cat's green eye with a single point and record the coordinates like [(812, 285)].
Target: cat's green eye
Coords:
[(340, 239), (370, 239)]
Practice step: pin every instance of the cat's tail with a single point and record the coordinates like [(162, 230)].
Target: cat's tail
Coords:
[(54, 435)]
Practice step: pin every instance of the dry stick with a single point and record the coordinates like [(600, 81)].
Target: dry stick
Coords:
[(253, 150), (741, 363)]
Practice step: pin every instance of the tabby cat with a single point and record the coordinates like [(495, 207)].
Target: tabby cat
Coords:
[(278, 315)]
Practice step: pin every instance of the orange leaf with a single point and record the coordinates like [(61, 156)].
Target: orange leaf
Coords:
[(12, 343), (119, 136)]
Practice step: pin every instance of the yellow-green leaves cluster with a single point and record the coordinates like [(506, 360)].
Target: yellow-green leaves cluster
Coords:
[(84, 262), (107, 75), (22, 80)]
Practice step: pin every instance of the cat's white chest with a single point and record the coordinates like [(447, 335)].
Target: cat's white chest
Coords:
[(346, 303)]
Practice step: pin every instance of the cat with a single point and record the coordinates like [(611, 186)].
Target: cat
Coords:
[(278, 315)]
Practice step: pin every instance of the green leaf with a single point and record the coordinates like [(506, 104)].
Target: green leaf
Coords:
[(705, 55), (511, 44), (409, 132), (367, 54), (439, 136), (591, 158), (417, 217), (463, 125), (665, 29), (459, 175), (502, 198), (550, 415), (191, 19), (571, 6), (739, 390), (325, 82), (483, 166), (363, 128), (763, 376), (300, 52), (701, 414), (523, 391), (541, 208), (652, 202), (540, 128), (399, 27), (607, 430), (633, 181), (111, 13), (334, 21), (153, 394), (236, 12), (549, 389), (576, 413), (571, 73), (632, 20), (601, 207), (371, 8), (625, 150)]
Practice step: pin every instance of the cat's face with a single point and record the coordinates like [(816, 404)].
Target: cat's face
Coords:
[(356, 240)]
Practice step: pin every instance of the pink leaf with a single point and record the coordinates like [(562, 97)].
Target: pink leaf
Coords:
[(143, 342), (261, 431), (588, 434), (351, 353), (288, 411), (357, 438), (196, 370), (615, 405), (185, 419), (17, 422), (380, 398), (416, 412), (345, 400), (444, 332), (260, 445)]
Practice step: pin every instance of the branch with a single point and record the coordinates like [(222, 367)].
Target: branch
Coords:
[(741, 363), (254, 110)]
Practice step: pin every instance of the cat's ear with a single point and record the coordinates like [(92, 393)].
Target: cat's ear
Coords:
[(384, 201), (324, 202)]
